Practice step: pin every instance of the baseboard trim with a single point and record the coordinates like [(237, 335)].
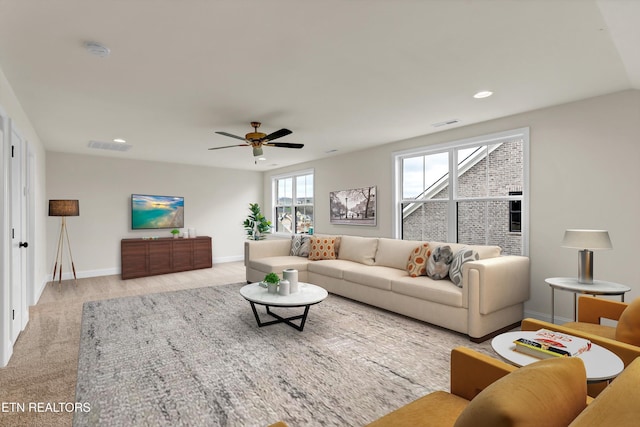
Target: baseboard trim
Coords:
[(546, 317)]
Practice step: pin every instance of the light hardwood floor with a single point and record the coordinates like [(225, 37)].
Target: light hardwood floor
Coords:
[(43, 368)]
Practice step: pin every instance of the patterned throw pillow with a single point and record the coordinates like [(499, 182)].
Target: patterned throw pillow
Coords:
[(300, 245), (322, 248), (417, 264), (455, 270), (439, 261)]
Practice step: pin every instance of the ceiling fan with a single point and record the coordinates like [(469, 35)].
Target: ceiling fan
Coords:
[(257, 140)]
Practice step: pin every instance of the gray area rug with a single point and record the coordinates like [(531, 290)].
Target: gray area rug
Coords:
[(197, 358)]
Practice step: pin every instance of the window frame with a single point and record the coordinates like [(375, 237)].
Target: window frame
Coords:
[(294, 205), (452, 148)]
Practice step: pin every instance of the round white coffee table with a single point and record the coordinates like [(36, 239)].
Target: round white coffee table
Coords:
[(306, 296), (600, 363)]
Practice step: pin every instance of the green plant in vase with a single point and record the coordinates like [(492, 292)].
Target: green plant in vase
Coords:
[(175, 233), (256, 225), (272, 281)]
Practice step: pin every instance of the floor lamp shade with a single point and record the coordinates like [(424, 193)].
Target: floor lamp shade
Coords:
[(586, 240), (64, 208)]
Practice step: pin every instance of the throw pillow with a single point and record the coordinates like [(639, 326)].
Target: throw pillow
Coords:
[(455, 269), (417, 264), (548, 393), (628, 328), (322, 248), (300, 245), (439, 261)]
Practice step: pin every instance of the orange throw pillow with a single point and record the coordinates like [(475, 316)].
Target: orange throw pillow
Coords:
[(322, 248), (417, 264)]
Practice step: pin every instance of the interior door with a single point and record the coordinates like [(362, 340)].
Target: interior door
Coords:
[(18, 288)]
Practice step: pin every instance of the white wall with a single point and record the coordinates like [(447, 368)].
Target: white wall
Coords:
[(216, 204), (585, 171)]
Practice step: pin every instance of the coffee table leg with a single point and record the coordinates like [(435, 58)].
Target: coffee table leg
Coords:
[(288, 320), (280, 319)]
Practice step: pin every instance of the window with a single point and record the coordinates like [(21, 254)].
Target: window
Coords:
[(515, 213), (293, 202), (472, 191)]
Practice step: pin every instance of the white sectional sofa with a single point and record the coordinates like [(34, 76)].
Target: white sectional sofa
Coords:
[(490, 298)]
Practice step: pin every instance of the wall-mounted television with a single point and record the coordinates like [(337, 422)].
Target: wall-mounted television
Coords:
[(149, 211)]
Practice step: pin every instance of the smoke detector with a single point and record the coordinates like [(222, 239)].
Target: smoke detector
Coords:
[(97, 49)]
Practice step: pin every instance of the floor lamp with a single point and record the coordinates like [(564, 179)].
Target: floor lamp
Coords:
[(63, 208)]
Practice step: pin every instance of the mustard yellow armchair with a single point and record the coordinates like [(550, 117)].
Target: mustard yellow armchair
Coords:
[(623, 339)]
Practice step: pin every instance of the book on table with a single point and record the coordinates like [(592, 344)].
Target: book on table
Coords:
[(546, 344)]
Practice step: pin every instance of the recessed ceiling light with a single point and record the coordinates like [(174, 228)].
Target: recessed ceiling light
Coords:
[(120, 140), (97, 49), (262, 158), (483, 94)]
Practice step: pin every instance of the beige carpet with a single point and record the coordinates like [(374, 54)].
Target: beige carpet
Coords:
[(43, 367)]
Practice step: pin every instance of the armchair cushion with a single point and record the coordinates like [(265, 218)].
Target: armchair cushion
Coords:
[(628, 329), (547, 393)]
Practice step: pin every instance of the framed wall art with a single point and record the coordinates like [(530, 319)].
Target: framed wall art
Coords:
[(356, 206)]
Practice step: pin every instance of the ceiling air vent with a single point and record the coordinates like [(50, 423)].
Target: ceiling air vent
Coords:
[(446, 123), (113, 146)]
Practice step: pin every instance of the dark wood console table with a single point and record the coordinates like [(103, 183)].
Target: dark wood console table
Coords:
[(149, 257)]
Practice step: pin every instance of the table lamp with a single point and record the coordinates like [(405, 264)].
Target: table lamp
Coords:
[(586, 240), (63, 208)]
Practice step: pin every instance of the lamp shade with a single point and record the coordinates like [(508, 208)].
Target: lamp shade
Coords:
[(587, 239), (64, 208)]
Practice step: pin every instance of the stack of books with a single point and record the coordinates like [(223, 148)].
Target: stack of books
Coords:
[(546, 344)]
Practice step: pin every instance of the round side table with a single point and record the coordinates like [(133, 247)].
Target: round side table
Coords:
[(571, 284)]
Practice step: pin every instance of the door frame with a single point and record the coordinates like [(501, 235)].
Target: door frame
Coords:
[(6, 348)]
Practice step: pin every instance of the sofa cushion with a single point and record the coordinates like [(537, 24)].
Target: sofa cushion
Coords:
[(546, 393), (374, 276), (425, 288), (331, 267), (628, 328), (322, 248), (439, 262), (300, 245), (394, 252), (417, 264), (358, 249), (278, 263), (460, 257)]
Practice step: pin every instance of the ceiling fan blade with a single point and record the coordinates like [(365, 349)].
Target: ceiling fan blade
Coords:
[(231, 135), (284, 145), (277, 134), (229, 146)]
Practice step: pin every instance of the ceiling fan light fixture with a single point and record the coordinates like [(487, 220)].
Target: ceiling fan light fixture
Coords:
[(257, 151)]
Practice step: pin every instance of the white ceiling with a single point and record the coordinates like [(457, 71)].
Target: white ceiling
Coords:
[(341, 74)]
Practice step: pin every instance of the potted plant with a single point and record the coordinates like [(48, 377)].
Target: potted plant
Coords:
[(175, 233), (256, 224), (272, 281)]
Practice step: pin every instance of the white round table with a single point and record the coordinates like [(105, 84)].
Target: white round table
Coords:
[(307, 295), (600, 363)]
